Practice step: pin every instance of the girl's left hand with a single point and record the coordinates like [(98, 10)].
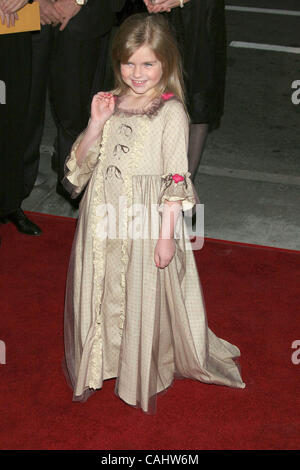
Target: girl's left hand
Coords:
[(162, 5), (164, 252)]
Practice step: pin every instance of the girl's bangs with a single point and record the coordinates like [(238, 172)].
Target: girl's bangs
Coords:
[(129, 49), (125, 54)]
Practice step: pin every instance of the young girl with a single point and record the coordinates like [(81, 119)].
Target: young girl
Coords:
[(134, 309)]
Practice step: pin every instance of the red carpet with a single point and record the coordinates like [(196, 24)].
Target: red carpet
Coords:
[(252, 297)]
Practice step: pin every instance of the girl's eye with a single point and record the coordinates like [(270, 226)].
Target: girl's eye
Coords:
[(148, 64)]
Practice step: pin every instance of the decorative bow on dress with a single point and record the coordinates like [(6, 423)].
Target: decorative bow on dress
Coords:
[(168, 180), (113, 170)]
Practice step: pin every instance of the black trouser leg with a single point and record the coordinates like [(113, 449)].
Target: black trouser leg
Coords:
[(15, 72), (73, 68), (41, 49)]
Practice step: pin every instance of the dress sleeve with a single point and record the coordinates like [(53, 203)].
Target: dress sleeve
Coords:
[(176, 182), (77, 177)]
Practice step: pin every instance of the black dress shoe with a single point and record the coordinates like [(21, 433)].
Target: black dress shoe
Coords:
[(23, 224)]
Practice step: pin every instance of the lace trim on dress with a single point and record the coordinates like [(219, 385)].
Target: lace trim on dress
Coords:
[(150, 111), (94, 379)]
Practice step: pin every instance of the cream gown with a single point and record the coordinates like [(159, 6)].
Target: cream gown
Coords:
[(124, 317)]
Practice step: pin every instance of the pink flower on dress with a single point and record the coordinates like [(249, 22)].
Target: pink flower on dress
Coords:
[(167, 96), (177, 178)]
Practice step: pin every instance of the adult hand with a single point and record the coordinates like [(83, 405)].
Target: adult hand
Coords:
[(67, 9), (8, 19), (11, 6), (49, 13), (162, 5)]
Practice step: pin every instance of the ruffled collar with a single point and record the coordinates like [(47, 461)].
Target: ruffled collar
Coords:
[(150, 111)]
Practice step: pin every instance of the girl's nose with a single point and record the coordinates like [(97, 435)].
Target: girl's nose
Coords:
[(137, 71)]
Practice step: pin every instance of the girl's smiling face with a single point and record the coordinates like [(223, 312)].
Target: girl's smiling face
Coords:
[(142, 72)]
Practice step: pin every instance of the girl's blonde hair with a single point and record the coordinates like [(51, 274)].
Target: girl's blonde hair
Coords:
[(153, 31)]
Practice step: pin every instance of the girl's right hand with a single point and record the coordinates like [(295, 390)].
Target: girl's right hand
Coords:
[(103, 105), (164, 251)]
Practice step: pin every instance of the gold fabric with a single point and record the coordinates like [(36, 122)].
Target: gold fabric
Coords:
[(124, 317)]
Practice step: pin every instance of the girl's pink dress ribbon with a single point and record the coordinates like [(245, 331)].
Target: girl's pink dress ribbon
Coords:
[(167, 96), (177, 178)]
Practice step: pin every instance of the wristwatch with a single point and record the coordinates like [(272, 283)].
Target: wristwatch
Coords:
[(81, 2)]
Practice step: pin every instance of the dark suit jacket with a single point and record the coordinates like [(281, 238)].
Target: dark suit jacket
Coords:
[(94, 19), (117, 5)]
